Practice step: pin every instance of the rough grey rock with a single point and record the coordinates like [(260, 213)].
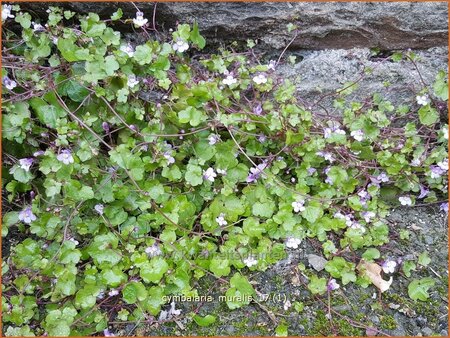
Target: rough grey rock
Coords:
[(318, 263), (320, 73), (394, 25)]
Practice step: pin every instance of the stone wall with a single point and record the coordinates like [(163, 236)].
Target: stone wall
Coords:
[(333, 46)]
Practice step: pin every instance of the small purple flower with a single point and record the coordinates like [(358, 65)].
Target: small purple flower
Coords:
[(436, 171), (257, 110), (105, 126), (332, 285), (327, 156), (99, 208), (311, 171), (383, 177), (368, 215), (444, 207), (27, 216), (65, 156), (262, 138), (405, 200), (107, 333), (153, 251), (423, 192), (9, 84), (168, 156), (389, 266), (255, 173), (25, 163), (38, 153), (113, 292)]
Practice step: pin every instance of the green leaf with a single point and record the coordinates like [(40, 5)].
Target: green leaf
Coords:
[(418, 289), (424, 259), (312, 212), (440, 86), (143, 54), (191, 115), (317, 285), (133, 292), (194, 175), (428, 115), (204, 321), (371, 254), (219, 266), (240, 293), (281, 330), (154, 270), (196, 37)]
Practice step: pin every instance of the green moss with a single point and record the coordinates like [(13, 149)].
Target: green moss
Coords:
[(388, 322), (323, 326)]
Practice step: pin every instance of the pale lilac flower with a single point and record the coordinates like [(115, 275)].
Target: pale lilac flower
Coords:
[(38, 153), (293, 243), (139, 21), (348, 218), (213, 139), (436, 172), (132, 81), (332, 285), (364, 194), (327, 156), (9, 84), (65, 156), (357, 226), (6, 12), (250, 261), (27, 215), (153, 250), (423, 100), (329, 180), (443, 164), (405, 200), (255, 173), (298, 206), (389, 266), (445, 132), (107, 333), (209, 174), (444, 207), (287, 304), (272, 64), (423, 192), (358, 135), (262, 138), (168, 156), (311, 171), (229, 80), (222, 172), (257, 110), (105, 126), (99, 208), (113, 292), (221, 220), (260, 79), (180, 45), (368, 215), (25, 163), (328, 132), (37, 27), (415, 162), (73, 240), (293, 180), (127, 49), (173, 311), (383, 177)]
